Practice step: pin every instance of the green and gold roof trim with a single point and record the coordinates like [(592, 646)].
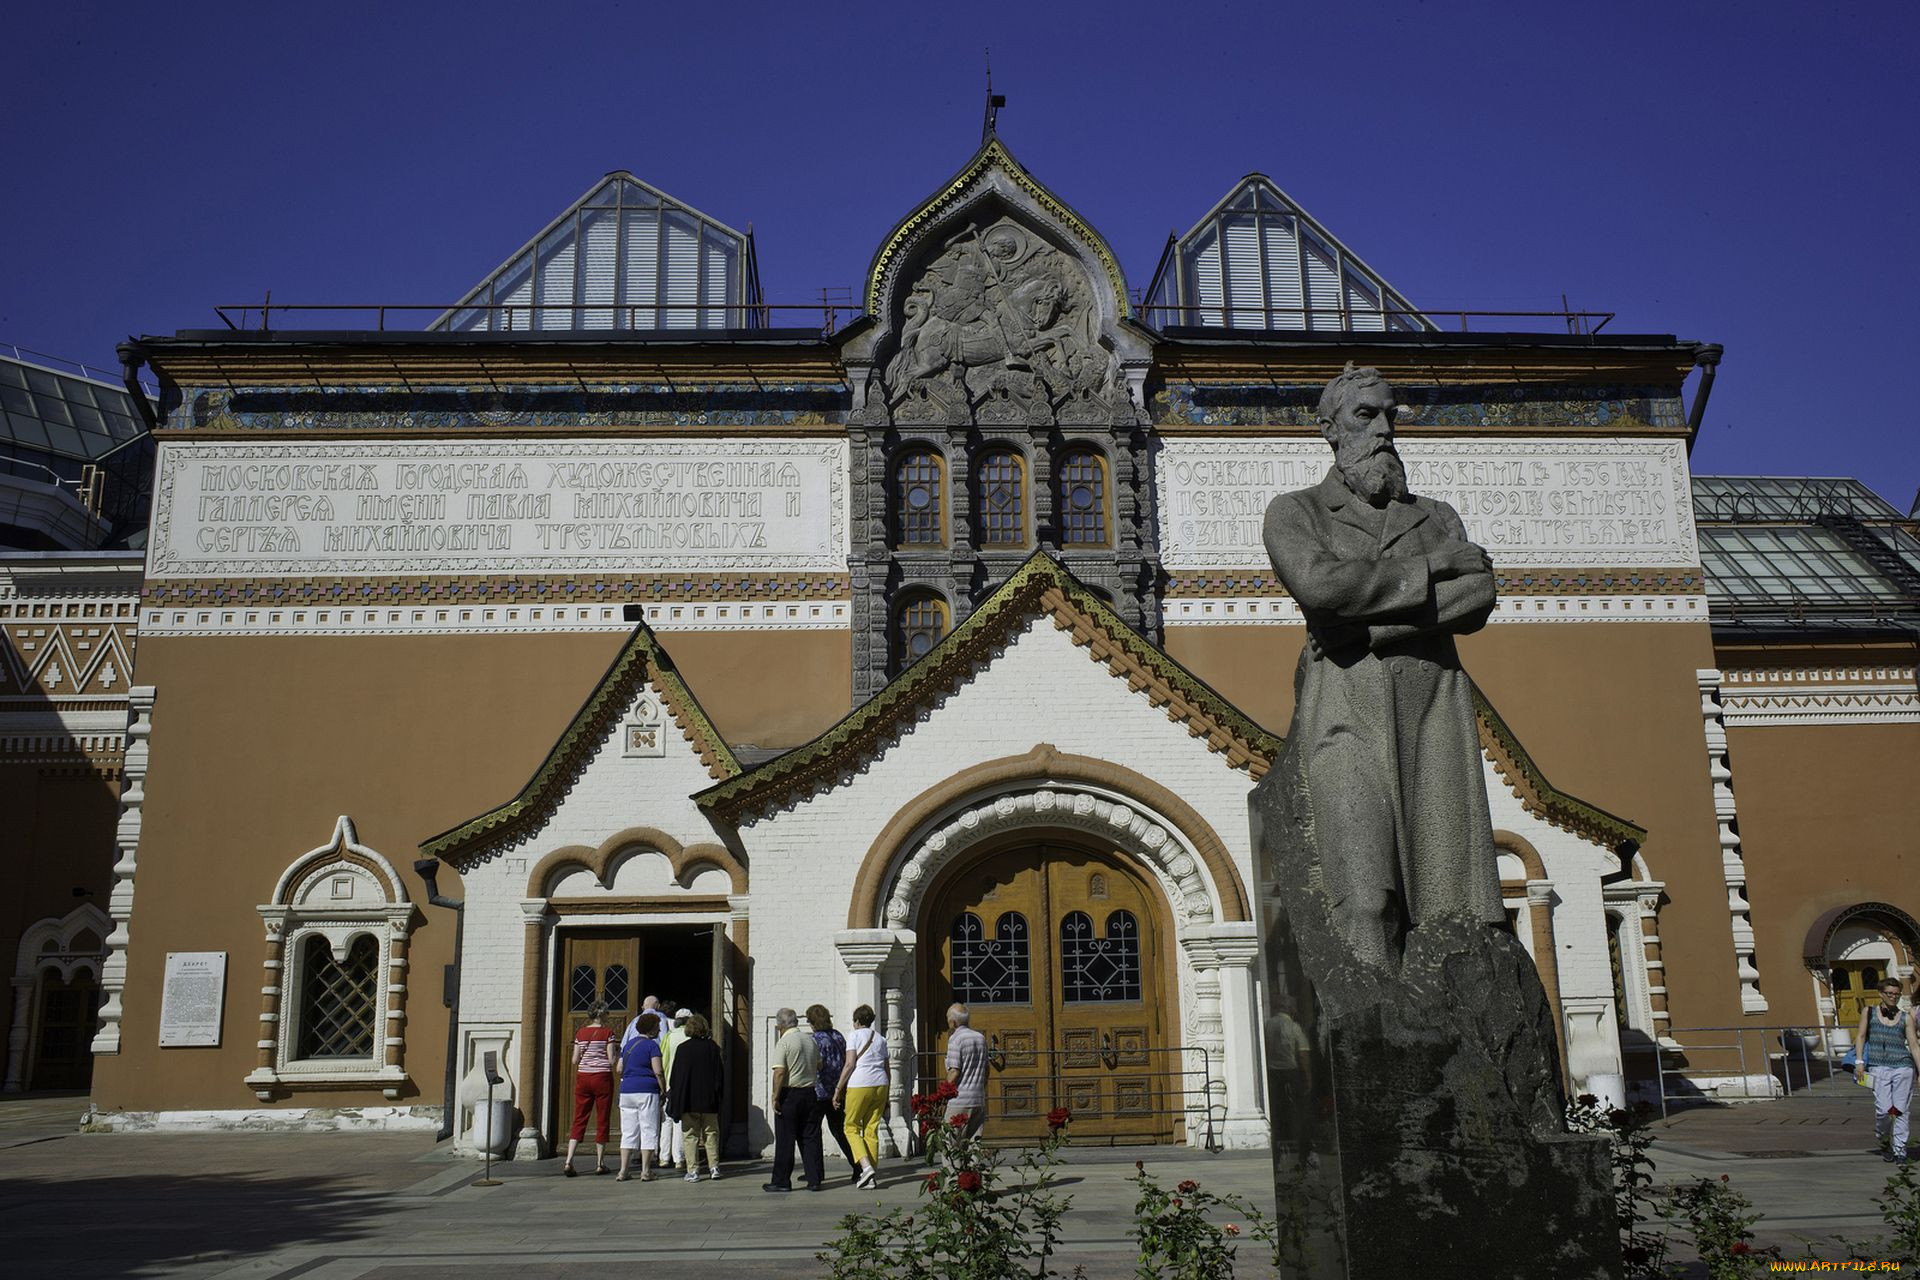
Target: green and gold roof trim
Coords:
[(1540, 797), (1041, 586), (640, 660), (991, 155)]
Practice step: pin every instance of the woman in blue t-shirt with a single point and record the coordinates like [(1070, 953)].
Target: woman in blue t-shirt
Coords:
[(640, 1089)]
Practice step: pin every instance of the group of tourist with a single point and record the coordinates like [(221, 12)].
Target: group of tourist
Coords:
[(823, 1079), (669, 1072)]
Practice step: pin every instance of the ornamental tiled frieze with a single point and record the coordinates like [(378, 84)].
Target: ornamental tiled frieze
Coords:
[(1476, 408)]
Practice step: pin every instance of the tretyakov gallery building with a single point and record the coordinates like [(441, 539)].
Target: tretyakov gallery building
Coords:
[(618, 634)]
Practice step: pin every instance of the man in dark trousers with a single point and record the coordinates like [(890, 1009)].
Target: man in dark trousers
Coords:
[(795, 1109)]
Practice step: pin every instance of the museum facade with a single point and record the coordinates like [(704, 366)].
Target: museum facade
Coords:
[(608, 638)]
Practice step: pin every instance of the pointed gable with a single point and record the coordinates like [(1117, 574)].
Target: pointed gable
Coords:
[(625, 256), (641, 669), (1260, 261), (1040, 587)]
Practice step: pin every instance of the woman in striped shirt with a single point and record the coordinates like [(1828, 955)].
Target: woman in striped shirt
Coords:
[(592, 1086)]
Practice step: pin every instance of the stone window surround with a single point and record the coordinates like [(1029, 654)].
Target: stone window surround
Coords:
[(288, 926)]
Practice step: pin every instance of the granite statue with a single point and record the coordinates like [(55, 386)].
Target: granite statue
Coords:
[(1386, 580), (1415, 1095)]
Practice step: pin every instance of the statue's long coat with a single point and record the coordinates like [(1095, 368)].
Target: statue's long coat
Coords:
[(1384, 714)]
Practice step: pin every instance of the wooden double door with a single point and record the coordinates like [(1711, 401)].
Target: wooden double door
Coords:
[(1058, 952)]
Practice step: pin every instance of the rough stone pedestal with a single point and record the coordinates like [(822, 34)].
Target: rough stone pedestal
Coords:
[(1421, 1130)]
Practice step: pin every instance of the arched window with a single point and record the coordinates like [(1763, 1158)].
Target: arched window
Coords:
[(1080, 484), (338, 998), (918, 624), (919, 499), (993, 970), (337, 932), (1000, 502), (1095, 969)]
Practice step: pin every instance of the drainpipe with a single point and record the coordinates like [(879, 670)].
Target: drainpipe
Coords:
[(131, 358), (1707, 356), (427, 869)]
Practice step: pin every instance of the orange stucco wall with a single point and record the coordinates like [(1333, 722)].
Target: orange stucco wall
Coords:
[(1610, 713), (259, 744)]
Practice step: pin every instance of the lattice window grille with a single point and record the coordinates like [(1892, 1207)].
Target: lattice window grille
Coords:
[(1083, 501), (1095, 969), (616, 986), (1003, 510), (995, 970), (338, 998), (922, 623), (582, 986), (918, 500)]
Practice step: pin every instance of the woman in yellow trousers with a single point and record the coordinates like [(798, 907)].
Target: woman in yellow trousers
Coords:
[(862, 1091)]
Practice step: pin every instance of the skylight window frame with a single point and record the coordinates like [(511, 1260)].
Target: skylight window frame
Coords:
[(736, 311), (1174, 288)]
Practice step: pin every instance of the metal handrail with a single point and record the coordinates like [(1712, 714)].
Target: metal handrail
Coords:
[(1180, 1091), (520, 317), (1778, 1047), (1584, 323)]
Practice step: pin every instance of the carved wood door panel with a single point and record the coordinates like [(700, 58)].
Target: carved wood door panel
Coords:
[(592, 967), (1053, 950)]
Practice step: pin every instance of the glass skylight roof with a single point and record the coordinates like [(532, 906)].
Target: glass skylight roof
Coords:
[(625, 256), (1773, 544), (1260, 261), (55, 413)]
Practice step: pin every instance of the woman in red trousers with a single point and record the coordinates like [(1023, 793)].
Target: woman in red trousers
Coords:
[(592, 1087)]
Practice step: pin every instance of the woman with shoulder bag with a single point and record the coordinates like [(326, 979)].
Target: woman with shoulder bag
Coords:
[(862, 1091)]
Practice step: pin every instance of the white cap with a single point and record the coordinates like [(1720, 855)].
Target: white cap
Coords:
[(681, 1015)]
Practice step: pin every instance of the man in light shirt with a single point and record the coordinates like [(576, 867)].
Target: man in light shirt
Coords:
[(966, 1071), (794, 1107)]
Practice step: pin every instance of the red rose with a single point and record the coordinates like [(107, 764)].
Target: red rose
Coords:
[(1058, 1117), (1231, 1230), (1188, 1187), (933, 1180), (1176, 1202), (969, 1180), (957, 1121), (1140, 1164), (947, 1091), (1741, 1248)]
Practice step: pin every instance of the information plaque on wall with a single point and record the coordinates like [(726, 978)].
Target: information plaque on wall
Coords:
[(196, 987)]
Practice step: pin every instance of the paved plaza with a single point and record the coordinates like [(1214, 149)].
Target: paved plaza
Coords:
[(334, 1206)]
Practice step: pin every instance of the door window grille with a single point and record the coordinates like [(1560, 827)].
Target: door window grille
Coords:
[(993, 970), (337, 999), (580, 988), (614, 991), (1095, 968)]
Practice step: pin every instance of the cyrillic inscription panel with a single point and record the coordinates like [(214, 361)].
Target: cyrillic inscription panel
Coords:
[(1530, 503), (498, 507)]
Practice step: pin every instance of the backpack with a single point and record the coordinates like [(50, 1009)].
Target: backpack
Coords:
[(833, 1059)]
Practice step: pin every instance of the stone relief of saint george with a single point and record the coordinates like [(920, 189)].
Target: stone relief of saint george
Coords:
[(1000, 301)]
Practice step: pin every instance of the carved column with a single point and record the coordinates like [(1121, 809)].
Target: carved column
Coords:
[(133, 796), (896, 1136), (533, 1015), (272, 993), (866, 953), (1733, 867), (396, 1036), (17, 1035)]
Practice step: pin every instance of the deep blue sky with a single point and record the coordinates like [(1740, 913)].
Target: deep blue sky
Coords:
[(1741, 174)]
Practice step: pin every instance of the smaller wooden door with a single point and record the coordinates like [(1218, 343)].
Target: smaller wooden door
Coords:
[(63, 1057), (593, 967)]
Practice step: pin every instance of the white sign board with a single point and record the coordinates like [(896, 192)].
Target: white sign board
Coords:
[(1531, 503), (190, 1002), (498, 507)]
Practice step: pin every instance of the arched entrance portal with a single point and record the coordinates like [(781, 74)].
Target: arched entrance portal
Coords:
[(1064, 956)]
